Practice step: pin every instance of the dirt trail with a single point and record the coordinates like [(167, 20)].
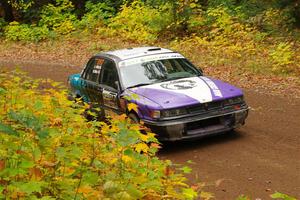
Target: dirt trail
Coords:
[(258, 159)]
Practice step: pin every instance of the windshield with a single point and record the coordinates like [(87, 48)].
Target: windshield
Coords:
[(157, 71)]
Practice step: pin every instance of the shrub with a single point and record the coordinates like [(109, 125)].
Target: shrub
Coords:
[(59, 17), (49, 151), (3, 23), (24, 32), (141, 22), (282, 57), (96, 15), (276, 20)]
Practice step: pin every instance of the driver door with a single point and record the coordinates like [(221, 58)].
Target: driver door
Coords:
[(109, 83)]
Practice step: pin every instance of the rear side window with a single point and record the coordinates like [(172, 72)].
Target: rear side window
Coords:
[(109, 74), (92, 71)]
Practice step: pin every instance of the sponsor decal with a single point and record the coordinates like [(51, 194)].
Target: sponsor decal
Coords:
[(143, 59), (180, 85), (193, 87)]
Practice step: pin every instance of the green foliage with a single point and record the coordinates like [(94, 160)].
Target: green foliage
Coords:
[(2, 25), (278, 195), (282, 57), (24, 32), (96, 15), (21, 4), (277, 20), (59, 17), (48, 150), (227, 32), (243, 197), (141, 22)]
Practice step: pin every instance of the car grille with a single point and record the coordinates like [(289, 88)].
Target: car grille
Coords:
[(210, 124), (199, 108)]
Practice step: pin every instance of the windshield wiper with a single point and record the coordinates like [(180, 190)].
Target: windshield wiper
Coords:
[(139, 85)]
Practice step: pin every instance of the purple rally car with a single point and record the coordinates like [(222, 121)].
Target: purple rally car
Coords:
[(174, 98)]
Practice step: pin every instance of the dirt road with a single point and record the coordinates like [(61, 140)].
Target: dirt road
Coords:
[(258, 159)]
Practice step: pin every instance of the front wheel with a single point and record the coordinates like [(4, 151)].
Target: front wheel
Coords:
[(133, 117)]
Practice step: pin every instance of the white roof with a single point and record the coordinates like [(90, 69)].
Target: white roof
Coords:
[(124, 54)]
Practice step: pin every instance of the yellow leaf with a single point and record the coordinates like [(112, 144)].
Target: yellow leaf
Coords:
[(120, 117), (85, 190), (114, 129), (132, 106), (126, 159), (193, 5), (141, 147), (112, 161), (206, 195), (144, 137)]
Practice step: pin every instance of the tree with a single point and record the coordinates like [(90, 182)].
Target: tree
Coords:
[(7, 11)]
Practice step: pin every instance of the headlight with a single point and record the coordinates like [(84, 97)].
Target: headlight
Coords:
[(173, 112), (234, 100), (155, 114)]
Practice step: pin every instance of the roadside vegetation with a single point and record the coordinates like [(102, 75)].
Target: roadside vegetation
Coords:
[(49, 150), (256, 36)]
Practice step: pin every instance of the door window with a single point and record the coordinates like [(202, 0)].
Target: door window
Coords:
[(109, 74), (93, 69)]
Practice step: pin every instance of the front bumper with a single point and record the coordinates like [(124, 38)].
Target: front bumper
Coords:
[(198, 126)]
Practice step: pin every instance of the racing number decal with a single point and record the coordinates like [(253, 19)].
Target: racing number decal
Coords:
[(110, 99)]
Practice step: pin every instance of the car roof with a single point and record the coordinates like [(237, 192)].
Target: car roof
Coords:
[(124, 54)]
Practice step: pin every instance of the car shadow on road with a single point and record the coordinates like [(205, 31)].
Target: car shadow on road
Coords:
[(181, 146)]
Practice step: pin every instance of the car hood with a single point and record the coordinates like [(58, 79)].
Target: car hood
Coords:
[(187, 91)]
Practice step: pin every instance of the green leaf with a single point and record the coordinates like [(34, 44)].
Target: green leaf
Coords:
[(37, 154), (186, 169), (60, 152), (47, 198), (2, 91), (38, 105), (42, 134), (110, 187), (189, 193), (243, 197), (122, 195), (278, 195), (26, 164), (30, 187), (1, 189), (8, 130), (134, 192), (90, 178)]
